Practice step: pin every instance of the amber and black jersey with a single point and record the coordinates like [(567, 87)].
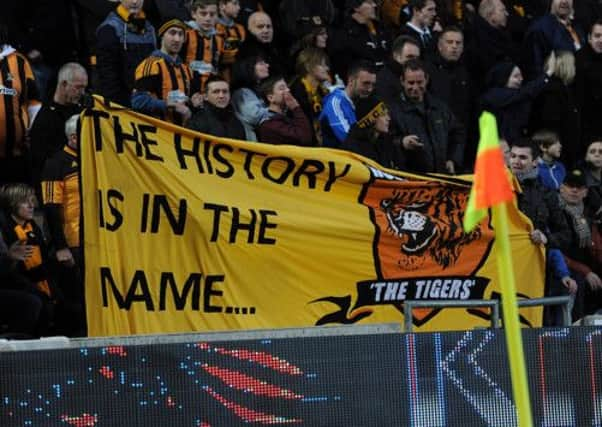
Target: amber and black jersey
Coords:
[(203, 54), (233, 34), (160, 75), (18, 92), (61, 199)]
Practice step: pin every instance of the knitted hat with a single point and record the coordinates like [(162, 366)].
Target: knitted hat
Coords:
[(367, 110), (575, 178), (172, 22), (499, 74)]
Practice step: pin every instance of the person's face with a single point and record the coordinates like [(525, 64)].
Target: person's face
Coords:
[(73, 142), (515, 80), (382, 123), (521, 160), (414, 84), (262, 70), (362, 84), (279, 90), (426, 15), (172, 41), (499, 15), (573, 195), (218, 94), (230, 9), (320, 72), (562, 8), (451, 46), (205, 17), (553, 150), (408, 51), (505, 151), (75, 88), (24, 210), (593, 155), (595, 38), (133, 6), (260, 25), (367, 9), (321, 38)]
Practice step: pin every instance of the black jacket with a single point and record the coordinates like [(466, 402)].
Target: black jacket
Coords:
[(217, 122), (388, 84), (588, 86), (379, 148)]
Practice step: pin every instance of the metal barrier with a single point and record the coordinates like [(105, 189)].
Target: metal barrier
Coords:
[(563, 301), (409, 305)]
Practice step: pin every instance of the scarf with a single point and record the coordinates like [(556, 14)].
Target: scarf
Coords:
[(522, 176), (579, 223)]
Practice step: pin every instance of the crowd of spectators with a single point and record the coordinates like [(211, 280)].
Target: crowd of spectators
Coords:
[(400, 81)]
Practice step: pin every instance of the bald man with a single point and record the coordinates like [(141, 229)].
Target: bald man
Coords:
[(260, 42)]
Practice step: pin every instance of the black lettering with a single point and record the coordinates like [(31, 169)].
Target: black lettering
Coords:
[(221, 159), (289, 166), (310, 169), (206, 148), (106, 276), (248, 161), (265, 224), (139, 280), (144, 219), (112, 197), (177, 225), (182, 153), (194, 282), (332, 174), (217, 211), (121, 137), (237, 225), (96, 116), (148, 143), (209, 291)]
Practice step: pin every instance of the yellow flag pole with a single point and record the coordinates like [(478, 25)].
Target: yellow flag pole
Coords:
[(514, 341)]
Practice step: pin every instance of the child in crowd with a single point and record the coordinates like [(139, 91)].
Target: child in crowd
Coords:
[(204, 46), (550, 170), (232, 32)]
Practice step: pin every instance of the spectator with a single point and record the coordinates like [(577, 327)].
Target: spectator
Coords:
[(370, 137), (338, 112), (593, 172), (158, 11), (578, 255), (539, 204), (433, 139), (492, 42), (204, 46), (48, 130), (247, 8), (422, 24), (260, 42), (316, 37), (388, 79), (286, 123), (588, 85), (124, 39), (555, 108), (361, 37), (450, 81), (20, 104), (551, 172), (249, 106), (300, 17), (216, 117), (232, 32), (509, 100), (551, 32), (61, 202), (163, 82), (311, 85)]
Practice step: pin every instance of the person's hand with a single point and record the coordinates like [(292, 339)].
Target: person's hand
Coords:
[(411, 142), (594, 281), (550, 64), (183, 110), (450, 167), (64, 256), (437, 28), (34, 55), (290, 101), (570, 284), (197, 100), (19, 251), (538, 237)]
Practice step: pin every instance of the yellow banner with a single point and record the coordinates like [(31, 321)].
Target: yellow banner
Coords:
[(186, 232)]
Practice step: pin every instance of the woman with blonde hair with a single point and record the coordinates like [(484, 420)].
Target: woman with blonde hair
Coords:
[(555, 108)]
